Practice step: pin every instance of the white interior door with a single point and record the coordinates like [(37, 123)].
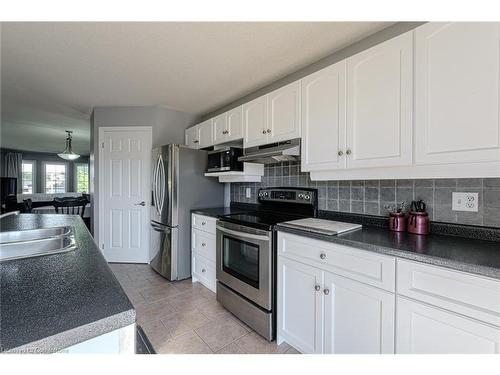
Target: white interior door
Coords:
[(124, 195)]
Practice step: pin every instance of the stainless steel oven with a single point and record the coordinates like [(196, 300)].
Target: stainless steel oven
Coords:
[(245, 276)]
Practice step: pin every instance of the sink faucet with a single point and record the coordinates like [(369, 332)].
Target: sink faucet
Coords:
[(9, 214)]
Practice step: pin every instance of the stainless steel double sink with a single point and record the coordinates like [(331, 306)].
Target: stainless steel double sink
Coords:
[(36, 242)]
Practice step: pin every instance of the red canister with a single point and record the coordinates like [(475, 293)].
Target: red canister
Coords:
[(397, 221), (418, 222)]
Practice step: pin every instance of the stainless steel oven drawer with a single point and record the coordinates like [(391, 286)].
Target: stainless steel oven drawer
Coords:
[(259, 320)]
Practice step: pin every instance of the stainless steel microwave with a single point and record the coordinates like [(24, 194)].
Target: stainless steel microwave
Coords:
[(225, 160)]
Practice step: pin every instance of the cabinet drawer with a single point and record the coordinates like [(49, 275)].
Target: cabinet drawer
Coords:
[(203, 243), (369, 268), (204, 271), (467, 294), (204, 223)]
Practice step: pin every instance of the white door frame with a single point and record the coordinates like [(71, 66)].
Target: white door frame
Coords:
[(100, 166)]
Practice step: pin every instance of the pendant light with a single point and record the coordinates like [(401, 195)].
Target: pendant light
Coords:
[(68, 153)]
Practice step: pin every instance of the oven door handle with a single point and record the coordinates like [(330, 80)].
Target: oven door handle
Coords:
[(243, 235)]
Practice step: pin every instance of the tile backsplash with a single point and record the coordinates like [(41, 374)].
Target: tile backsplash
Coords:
[(371, 196)]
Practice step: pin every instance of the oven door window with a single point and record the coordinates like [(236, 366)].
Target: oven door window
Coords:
[(241, 260)]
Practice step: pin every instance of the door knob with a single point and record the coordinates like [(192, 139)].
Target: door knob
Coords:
[(326, 291), (348, 152), (322, 256), (140, 204), (317, 287), (269, 130), (340, 153)]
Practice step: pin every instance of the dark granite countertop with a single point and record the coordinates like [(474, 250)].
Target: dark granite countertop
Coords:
[(464, 254), (55, 301)]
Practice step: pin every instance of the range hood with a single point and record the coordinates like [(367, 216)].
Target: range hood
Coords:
[(273, 153)]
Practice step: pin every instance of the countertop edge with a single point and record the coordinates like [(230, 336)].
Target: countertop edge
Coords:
[(65, 339), (422, 258)]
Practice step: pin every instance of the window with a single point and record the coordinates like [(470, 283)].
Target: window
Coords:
[(81, 178), (28, 177), (55, 177)]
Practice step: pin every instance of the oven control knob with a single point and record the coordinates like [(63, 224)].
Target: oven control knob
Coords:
[(266, 194), (307, 197), (301, 196)]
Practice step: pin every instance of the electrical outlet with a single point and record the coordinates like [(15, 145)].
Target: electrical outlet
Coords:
[(465, 202), (248, 192)]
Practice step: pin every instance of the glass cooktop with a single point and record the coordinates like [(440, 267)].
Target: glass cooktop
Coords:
[(261, 220)]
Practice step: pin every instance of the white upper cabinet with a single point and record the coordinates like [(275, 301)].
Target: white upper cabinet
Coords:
[(379, 104), (359, 319), (255, 122), (323, 118), (283, 113), (228, 126), (192, 137), (457, 92), (206, 132), (234, 124), (220, 128)]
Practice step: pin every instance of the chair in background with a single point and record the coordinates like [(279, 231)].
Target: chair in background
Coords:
[(70, 205), (27, 206)]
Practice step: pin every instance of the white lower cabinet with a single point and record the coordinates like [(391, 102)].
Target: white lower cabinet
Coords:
[(358, 318), (203, 247), (322, 312), (300, 306), (423, 329)]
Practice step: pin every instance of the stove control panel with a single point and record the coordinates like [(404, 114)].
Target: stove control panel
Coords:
[(289, 195)]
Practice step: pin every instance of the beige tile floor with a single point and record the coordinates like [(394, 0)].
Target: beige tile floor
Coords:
[(185, 318)]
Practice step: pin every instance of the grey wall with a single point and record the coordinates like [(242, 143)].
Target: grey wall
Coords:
[(371, 196), (40, 157), (168, 127), (370, 41)]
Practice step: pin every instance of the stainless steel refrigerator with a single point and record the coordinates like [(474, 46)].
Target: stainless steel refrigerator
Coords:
[(178, 186)]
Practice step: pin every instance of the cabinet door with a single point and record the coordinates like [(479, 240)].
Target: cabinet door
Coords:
[(422, 329), (206, 133), (457, 92), (192, 137), (283, 113), (323, 119), (359, 319), (234, 124), (300, 306), (255, 122), (379, 104), (220, 129)]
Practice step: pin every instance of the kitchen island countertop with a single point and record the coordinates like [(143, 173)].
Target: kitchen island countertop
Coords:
[(51, 302)]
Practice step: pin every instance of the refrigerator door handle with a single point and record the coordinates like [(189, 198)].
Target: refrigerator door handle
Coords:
[(161, 174), (161, 229), (155, 186)]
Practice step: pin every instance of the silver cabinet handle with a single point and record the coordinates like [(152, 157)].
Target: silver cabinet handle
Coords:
[(195, 141), (203, 223), (203, 244), (140, 204), (340, 153), (264, 131), (317, 287), (269, 130), (348, 152), (322, 256), (203, 270), (326, 291)]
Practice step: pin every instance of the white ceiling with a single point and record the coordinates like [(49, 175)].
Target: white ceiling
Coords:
[(53, 74)]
